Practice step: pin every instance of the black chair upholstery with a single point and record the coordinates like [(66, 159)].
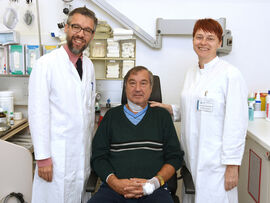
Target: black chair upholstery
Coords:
[(172, 183)]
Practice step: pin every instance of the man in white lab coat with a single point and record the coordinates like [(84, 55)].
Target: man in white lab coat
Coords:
[(61, 114)]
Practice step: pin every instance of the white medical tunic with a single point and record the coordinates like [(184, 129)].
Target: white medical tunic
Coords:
[(214, 118), (61, 116)]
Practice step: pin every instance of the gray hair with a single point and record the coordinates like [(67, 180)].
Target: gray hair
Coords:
[(83, 11)]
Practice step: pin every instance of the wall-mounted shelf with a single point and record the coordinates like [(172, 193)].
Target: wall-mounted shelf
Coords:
[(108, 67), (10, 75), (17, 127)]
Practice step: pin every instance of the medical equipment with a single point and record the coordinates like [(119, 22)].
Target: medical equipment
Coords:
[(10, 18), (98, 48), (28, 17), (18, 196), (128, 49), (3, 60), (164, 27), (16, 59), (9, 37), (113, 69), (113, 48), (31, 55), (6, 102), (127, 65)]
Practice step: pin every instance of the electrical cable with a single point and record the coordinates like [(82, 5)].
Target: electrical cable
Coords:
[(67, 1), (18, 196)]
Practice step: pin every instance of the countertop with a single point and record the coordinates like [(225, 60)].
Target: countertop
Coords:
[(259, 130)]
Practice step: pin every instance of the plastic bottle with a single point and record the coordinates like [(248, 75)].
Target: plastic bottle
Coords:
[(11, 119), (267, 109), (250, 112), (258, 102), (251, 98)]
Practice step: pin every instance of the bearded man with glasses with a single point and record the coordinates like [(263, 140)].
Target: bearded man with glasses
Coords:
[(61, 114)]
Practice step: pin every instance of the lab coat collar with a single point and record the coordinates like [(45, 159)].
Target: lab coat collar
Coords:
[(209, 66), (65, 54)]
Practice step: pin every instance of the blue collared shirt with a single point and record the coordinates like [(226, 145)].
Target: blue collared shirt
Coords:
[(135, 118)]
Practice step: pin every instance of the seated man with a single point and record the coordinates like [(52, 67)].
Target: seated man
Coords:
[(135, 149)]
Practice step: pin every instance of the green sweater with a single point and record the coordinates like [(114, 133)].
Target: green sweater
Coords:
[(135, 151)]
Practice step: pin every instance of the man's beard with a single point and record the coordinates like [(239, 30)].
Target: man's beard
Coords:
[(72, 49)]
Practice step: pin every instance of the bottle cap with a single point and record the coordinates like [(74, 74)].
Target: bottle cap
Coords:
[(258, 98)]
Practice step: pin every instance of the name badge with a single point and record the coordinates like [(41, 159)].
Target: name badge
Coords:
[(205, 105)]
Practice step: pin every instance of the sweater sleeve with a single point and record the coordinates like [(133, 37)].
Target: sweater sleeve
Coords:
[(101, 150), (173, 154)]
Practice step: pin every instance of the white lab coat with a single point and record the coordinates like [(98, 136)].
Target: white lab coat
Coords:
[(212, 140), (61, 117)]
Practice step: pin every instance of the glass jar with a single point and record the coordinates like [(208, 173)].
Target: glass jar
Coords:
[(3, 117)]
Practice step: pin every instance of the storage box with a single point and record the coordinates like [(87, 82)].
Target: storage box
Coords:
[(16, 59)]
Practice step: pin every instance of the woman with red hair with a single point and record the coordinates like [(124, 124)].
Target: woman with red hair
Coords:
[(214, 118)]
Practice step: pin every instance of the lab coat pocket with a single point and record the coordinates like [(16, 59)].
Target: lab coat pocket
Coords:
[(89, 94), (58, 153)]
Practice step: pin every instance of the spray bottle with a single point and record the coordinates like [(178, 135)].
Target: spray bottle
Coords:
[(258, 102)]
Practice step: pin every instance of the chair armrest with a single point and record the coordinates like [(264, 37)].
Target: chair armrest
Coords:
[(92, 182), (188, 181)]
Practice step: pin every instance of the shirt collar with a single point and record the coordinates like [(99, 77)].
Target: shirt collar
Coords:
[(72, 57), (209, 66), (135, 114)]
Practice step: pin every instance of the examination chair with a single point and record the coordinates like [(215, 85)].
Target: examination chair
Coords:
[(172, 183)]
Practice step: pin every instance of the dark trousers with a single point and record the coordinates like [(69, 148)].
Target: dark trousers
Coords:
[(107, 195)]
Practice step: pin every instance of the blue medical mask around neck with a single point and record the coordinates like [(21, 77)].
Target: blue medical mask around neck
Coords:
[(134, 107)]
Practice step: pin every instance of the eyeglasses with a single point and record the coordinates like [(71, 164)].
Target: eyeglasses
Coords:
[(76, 28)]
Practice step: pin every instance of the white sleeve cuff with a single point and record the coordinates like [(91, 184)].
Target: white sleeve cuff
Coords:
[(108, 177), (176, 113)]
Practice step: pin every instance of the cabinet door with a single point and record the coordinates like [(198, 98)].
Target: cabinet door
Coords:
[(254, 174)]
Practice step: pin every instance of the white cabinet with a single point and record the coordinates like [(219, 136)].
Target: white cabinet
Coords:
[(254, 181)]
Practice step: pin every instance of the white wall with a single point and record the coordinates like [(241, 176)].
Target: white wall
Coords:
[(247, 19)]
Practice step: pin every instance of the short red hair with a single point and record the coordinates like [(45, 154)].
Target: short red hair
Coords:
[(208, 25)]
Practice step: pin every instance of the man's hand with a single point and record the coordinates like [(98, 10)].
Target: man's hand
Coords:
[(46, 172), (129, 188), (135, 188), (231, 177)]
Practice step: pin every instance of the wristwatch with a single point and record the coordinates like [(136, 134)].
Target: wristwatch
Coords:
[(161, 180)]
